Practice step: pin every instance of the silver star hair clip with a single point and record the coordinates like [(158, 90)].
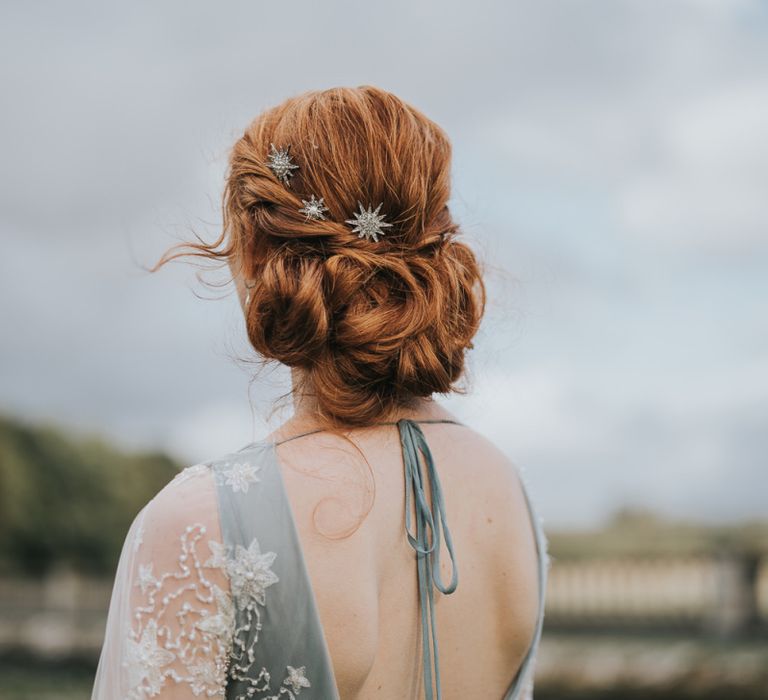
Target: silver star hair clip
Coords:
[(368, 223), (280, 163), (314, 208)]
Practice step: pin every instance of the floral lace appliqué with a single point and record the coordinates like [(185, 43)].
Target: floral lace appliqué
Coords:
[(248, 571), (240, 475), (250, 574), (146, 659), (166, 639), (189, 630), (296, 679), (237, 475)]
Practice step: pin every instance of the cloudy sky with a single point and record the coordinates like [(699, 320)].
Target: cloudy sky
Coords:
[(610, 168)]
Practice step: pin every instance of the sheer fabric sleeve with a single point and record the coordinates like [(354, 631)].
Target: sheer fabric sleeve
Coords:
[(170, 623)]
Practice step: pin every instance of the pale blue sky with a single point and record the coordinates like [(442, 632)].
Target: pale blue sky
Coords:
[(610, 163)]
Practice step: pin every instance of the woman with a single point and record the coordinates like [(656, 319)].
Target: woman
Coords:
[(282, 570)]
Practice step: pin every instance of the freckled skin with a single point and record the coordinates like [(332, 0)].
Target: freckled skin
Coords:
[(366, 584)]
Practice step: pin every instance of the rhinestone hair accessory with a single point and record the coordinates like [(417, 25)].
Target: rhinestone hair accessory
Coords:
[(280, 164), (368, 223), (314, 208)]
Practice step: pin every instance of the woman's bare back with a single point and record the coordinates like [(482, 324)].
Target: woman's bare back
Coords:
[(365, 584)]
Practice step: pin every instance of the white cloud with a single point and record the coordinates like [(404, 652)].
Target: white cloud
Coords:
[(213, 429), (588, 443), (607, 144), (707, 187)]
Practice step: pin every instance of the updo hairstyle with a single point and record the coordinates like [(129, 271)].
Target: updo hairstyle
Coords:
[(373, 325)]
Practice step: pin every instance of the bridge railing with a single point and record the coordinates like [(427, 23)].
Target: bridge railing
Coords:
[(722, 594)]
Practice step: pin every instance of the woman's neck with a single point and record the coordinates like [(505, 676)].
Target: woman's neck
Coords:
[(306, 415)]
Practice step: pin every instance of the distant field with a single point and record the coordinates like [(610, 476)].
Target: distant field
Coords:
[(36, 681), (640, 534)]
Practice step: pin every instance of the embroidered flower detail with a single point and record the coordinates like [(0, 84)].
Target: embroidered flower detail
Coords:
[(222, 624), (145, 660), (146, 578), (193, 619), (207, 677), (296, 678), (250, 574), (219, 558), (241, 475)]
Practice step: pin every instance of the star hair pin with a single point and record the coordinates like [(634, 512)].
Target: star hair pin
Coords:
[(368, 223), (313, 209), (280, 164)]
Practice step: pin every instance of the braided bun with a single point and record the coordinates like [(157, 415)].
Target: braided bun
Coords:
[(374, 325)]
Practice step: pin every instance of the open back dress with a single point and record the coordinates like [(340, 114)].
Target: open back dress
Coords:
[(212, 598)]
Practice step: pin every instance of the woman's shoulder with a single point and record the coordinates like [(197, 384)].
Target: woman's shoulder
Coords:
[(497, 478), (189, 495), (178, 522), (171, 603), (503, 484), (513, 536), (193, 490)]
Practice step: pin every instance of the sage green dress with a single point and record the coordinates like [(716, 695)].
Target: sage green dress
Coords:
[(212, 591)]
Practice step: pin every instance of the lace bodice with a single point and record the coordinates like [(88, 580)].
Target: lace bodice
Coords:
[(212, 598)]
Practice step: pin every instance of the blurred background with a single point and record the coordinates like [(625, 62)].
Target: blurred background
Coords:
[(610, 169)]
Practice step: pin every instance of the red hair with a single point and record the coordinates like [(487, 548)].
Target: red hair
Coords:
[(374, 325)]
